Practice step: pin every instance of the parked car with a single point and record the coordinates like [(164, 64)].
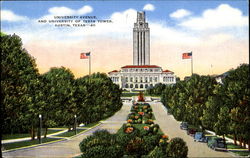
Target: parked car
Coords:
[(184, 125), (200, 137), (191, 131), (216, 143)]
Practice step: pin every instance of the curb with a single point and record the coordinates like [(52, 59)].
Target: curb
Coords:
[(33, 146)]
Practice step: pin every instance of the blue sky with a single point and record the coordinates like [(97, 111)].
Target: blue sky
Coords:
[(211, 29), (34, 9)]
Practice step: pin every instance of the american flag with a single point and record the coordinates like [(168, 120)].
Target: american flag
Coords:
[(187, 55), (84, 55)]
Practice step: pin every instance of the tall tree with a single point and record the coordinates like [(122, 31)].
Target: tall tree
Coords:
[(60, 105), (18, 80)]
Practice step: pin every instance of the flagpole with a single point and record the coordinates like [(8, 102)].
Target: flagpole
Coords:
[(89, 63), (191, 63)]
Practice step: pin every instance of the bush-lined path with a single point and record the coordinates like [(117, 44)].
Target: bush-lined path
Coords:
[(168, 124)]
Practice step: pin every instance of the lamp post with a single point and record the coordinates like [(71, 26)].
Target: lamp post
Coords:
[(40, 118), (75, 125)]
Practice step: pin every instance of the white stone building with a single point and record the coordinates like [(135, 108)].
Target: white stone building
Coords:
[(141, 75)]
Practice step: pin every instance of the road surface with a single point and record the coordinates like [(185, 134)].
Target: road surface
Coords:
[(171, 127)]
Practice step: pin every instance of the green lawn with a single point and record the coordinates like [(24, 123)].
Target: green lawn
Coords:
[(70, 133), (26, 143), (232, 146), (129, 94), (151, 95), (241, 153), (91, 124), (23, 135)]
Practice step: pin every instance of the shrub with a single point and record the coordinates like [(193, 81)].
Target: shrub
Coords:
[(134, 146), (150, 141), (177, 148), (101, 144), (156, 153), (163, 143), (103, 151)]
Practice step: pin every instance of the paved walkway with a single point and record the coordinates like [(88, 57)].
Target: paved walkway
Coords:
[(70, 148), (28, 138), (171, 127)]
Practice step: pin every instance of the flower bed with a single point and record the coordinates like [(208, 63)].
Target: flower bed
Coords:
[(139, 137), (141, 133), (141, 113)]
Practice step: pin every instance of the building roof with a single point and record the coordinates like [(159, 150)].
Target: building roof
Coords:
[(167, 71), (141, 66), (113, 71)]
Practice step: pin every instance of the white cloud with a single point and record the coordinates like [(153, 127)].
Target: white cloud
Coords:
[(180, 13), (121, 26), (220, 17), (149, 7), (65, 11), (68, 11), (8, 15), (61, 11), (85, 10), (165, 34)]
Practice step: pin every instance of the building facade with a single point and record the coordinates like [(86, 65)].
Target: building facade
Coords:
[(134, 77), (141, 75)]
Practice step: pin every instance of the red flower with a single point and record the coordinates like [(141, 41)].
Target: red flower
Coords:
[(129, 130), (141, 113), (146, 128), (129, 121)]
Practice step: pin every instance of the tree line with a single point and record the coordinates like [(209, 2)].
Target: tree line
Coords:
[(56, 95), (221, 107)]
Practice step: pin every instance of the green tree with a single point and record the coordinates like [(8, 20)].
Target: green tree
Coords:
[(237, 92), (97, 97), (198, 89), (222, 125), (60, 106), (213, 105), (18, 83)]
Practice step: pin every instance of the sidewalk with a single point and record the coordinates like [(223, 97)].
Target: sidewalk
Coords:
[(28, 138)]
